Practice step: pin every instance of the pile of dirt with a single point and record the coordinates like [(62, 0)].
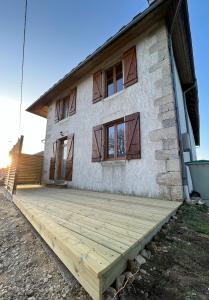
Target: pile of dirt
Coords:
[(26, 271)]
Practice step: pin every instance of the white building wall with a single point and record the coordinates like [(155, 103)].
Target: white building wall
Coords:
[(136, 177)]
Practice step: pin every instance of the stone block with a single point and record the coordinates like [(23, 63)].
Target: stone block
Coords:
[(158, 135), (177, 193), (158, 46), (167, 90), (169, 122), (166, 154), (170, 144), (167, 107), (167, 115), (169, 179), (164, 100), (165, 193), (166, 70), (163, 54), (173, 165)]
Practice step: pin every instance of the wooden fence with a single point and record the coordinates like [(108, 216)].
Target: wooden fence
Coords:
[(23, 169), (29, 169), (11, 176)]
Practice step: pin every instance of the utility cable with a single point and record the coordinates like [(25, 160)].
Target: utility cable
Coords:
[(22, 68)]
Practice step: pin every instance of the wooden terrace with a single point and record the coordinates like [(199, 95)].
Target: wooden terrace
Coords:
[(93, 233)]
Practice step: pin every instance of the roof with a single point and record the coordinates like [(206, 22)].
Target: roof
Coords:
[(182, 46)]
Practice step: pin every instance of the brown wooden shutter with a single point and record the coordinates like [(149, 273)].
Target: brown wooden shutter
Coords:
[(97, 141), (57, 108), (132, 136), (60, 110), (130, 67), (72, 102), (97, 87), (69, 160), (53, 161)]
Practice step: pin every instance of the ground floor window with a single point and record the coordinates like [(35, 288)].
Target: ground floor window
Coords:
[(115, 140), (119, 139)]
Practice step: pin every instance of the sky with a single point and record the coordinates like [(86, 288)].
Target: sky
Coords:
[(60, 34)]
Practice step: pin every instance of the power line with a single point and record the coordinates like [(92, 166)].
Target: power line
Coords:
[(22, 69)]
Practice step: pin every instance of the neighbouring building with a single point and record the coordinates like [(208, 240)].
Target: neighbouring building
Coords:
[(126, 119)]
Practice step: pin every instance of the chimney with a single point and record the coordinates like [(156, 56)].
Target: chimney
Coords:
[(150, 2)]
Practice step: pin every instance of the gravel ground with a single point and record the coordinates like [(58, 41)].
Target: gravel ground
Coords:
[(26, 271)]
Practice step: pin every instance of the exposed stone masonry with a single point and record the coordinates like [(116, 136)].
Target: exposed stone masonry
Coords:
[(170, 181)]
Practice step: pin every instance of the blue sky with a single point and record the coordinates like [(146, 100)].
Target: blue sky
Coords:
[(61, 33)]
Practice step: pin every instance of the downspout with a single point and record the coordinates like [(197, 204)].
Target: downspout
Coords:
[(185, 109), (170, 46)]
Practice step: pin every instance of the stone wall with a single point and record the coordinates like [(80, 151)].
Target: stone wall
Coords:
[(170, 181)]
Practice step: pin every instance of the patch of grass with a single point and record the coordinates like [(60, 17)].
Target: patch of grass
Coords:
[(195, 218)]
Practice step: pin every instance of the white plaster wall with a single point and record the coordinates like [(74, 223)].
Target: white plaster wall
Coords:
[(136, 177)]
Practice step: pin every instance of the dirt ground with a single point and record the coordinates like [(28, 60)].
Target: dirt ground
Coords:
[(179, 266), (177, 269)]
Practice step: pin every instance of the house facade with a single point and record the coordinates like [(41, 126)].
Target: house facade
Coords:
[(126, 119)]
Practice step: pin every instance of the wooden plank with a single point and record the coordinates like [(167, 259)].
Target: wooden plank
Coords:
[(63, 244), (93, 235)]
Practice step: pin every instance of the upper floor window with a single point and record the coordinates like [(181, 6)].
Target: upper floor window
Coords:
[(120, 76), (66, 107), (114, 79)]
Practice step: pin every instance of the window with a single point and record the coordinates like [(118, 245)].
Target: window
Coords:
[(118, 77), (115, 140), (114, 79), (66, 107), (119, 139)]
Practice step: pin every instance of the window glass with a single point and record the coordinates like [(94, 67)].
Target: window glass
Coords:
[(120, 140), (110, 137), (110, 85), (64, 157), (119, 77), (65, 108)]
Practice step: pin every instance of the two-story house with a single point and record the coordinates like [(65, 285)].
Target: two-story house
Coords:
[(126, 118)]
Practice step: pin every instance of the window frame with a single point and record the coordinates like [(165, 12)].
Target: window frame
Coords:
[(113, 68), (106, 126)]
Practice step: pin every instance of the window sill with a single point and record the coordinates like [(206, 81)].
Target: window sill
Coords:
[(113, 96), (119, 162), (65, 119)]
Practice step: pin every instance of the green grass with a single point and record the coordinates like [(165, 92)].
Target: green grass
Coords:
[(194, 218)]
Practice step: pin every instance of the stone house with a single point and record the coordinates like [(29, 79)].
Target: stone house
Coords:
[(126, 119)]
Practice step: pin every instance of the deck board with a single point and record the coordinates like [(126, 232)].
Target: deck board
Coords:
[(93, 233)]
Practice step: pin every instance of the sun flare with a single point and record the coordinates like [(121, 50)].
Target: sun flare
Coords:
[(5, 160)]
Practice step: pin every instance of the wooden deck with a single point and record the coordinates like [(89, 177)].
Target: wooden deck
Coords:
[(93, 233)]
